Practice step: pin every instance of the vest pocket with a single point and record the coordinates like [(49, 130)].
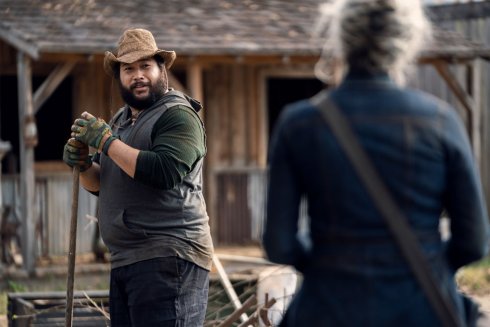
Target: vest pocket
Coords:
[(119, 230)]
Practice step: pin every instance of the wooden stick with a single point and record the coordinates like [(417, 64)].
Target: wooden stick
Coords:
[(72, 249), (230, 291), (252, 300)]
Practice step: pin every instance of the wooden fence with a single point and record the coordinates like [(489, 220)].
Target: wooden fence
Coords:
[(52, 213)]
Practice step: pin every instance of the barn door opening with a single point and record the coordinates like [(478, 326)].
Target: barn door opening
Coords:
[(282, 91), (53, 122)]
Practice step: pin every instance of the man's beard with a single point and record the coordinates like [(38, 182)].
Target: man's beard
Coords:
[(155, 93)]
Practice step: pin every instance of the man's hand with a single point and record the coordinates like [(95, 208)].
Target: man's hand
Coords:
[(91, 131), (76, 153)]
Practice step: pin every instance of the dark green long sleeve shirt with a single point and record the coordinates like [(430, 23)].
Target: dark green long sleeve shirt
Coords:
[(178, 142)]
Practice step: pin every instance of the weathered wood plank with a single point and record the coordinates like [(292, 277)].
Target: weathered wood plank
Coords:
[(194, 73), (27, 142), (454, 11), (252, 116), (238, 116)]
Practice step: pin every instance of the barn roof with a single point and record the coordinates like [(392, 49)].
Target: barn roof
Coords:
[(190, 27)]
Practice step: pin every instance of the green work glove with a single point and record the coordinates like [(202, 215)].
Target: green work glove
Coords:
[(76, 153), (90, 130)]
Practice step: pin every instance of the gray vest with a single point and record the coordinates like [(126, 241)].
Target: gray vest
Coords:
[(140, 222)]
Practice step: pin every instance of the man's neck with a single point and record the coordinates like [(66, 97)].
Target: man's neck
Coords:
[(135, 112)]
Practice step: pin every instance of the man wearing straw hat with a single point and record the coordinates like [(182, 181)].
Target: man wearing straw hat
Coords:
[(147, 173)]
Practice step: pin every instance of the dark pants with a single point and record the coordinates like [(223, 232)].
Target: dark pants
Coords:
[(159, 292)]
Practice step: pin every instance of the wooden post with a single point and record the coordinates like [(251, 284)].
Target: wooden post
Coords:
[(4, 148), (194, 73), (474, 89), (238, 117), (460, 93), (262, 121), (27, 143), (252, 116)]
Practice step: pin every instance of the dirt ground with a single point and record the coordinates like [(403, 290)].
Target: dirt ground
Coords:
[(484, 302)]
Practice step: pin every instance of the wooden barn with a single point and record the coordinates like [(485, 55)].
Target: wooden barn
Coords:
[(243, 59), (470, 19)]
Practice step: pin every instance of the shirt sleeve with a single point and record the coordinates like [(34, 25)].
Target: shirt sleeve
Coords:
[(464, 199), (178, 143), (280, 238)]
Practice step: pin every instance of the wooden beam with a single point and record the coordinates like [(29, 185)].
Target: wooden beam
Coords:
[(465, 99), (25, 47), (68, 56), (51, 83), (252, 116), (248, 59), (263, 120), (459, 11), (194, 75), (4, 148), (27, 142), (238, 117), (433, 58), (214, 97), (194, 78), (474, 81)]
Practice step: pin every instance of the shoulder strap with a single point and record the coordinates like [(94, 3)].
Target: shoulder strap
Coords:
[(397, 223), (116, 117), (177, 97)]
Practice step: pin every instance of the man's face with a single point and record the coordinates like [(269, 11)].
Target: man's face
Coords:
[(142, 83)]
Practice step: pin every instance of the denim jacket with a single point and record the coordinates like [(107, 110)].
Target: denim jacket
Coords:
[(354, 274)]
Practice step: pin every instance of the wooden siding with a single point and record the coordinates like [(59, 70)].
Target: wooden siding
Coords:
[(232, 116), (240, 205), (233, 126), (52, 213), (94, 91)]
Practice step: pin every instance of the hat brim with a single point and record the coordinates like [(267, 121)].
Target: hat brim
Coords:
[(110, 60)]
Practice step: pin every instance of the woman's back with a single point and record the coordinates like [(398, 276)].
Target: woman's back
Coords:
[(354, 273), (418, 145)]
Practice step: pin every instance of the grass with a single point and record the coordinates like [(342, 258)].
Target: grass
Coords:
[(475, 278)]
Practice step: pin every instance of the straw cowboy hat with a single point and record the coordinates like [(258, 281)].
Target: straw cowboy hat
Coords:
[(134, 45)]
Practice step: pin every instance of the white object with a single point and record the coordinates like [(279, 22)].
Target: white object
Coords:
[(280, 283)]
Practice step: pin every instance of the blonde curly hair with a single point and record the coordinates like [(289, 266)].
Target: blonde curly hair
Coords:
[(371, 35)]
